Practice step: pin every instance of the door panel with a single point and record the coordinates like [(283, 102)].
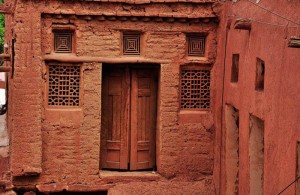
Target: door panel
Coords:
[(128, 118), (143, 119), (114, 147)]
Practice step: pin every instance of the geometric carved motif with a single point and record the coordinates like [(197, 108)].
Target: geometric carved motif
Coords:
[(64, 85), (131, 44), (196, 45), (63, 42), (195, 89)]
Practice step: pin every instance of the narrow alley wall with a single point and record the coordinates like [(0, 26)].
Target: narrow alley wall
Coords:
[(267, 88)]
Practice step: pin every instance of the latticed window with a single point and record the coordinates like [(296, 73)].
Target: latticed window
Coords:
[(196, 45), (131, 43), (64, 85), (63, 41), (195, 88)]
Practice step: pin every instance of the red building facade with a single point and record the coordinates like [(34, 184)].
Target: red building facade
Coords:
[(151, 97), (107, 97)]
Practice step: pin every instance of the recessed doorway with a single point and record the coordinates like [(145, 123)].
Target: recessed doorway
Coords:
[(128, 119)]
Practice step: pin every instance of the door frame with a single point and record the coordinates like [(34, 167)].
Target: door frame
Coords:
[(128, 69)]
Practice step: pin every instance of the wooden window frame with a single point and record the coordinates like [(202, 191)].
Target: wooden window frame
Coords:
[(131, 33), (205, 67), (48, 88), (189, 50), (63, 29)]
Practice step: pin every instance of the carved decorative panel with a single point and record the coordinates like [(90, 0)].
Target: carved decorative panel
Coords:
[(63, 42), (64, 85), (196, 45), (131, 44), (195, 89)]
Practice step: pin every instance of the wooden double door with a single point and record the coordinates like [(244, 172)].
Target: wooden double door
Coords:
[(128, 119)]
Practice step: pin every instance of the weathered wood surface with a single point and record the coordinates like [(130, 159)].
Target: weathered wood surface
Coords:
[(294, 42)]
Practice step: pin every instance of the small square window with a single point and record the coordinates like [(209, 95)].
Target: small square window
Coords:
[(235, 68), (64, 85), (260, 75), (195, 88), (63, 41), (196, 45), (131, 43)]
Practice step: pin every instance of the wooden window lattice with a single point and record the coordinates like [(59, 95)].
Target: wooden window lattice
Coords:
[(195, 89), (63, 42), (131, 44), (196, 45), (64, 85)]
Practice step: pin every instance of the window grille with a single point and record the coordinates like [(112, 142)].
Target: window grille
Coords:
[(64, 85), (195, 89), (63, 42), (131, 44), (196, 45)]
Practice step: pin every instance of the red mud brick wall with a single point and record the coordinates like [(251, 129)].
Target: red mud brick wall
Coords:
[(63, 145)]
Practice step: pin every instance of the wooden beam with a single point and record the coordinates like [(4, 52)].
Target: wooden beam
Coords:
[(242, 24), (5, 9), (3, 183), (4, 57), (70, 58), (5, 69), (294, 42), (2, 85)]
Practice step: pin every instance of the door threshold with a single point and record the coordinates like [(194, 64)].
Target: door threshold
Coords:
[(129, 175)]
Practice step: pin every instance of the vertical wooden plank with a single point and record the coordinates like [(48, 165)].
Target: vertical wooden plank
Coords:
[(104, 120), (125, 112), (133, 129), (139, 121), (141, 115), (147, 117), (143, 119), (152, 117), (114, 142)]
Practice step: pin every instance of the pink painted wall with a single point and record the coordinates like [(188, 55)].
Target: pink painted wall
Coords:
[(278, 105)]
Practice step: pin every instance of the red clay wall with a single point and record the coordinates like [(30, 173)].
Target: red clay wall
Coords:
[(56, 149), (278, 105)]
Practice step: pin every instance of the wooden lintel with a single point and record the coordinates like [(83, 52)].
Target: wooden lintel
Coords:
[(242, 24), (70, 58), (4, 9), (5, 69), (4, 57), (111, 16), (294, 42), (2, 84), (63, 27)]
